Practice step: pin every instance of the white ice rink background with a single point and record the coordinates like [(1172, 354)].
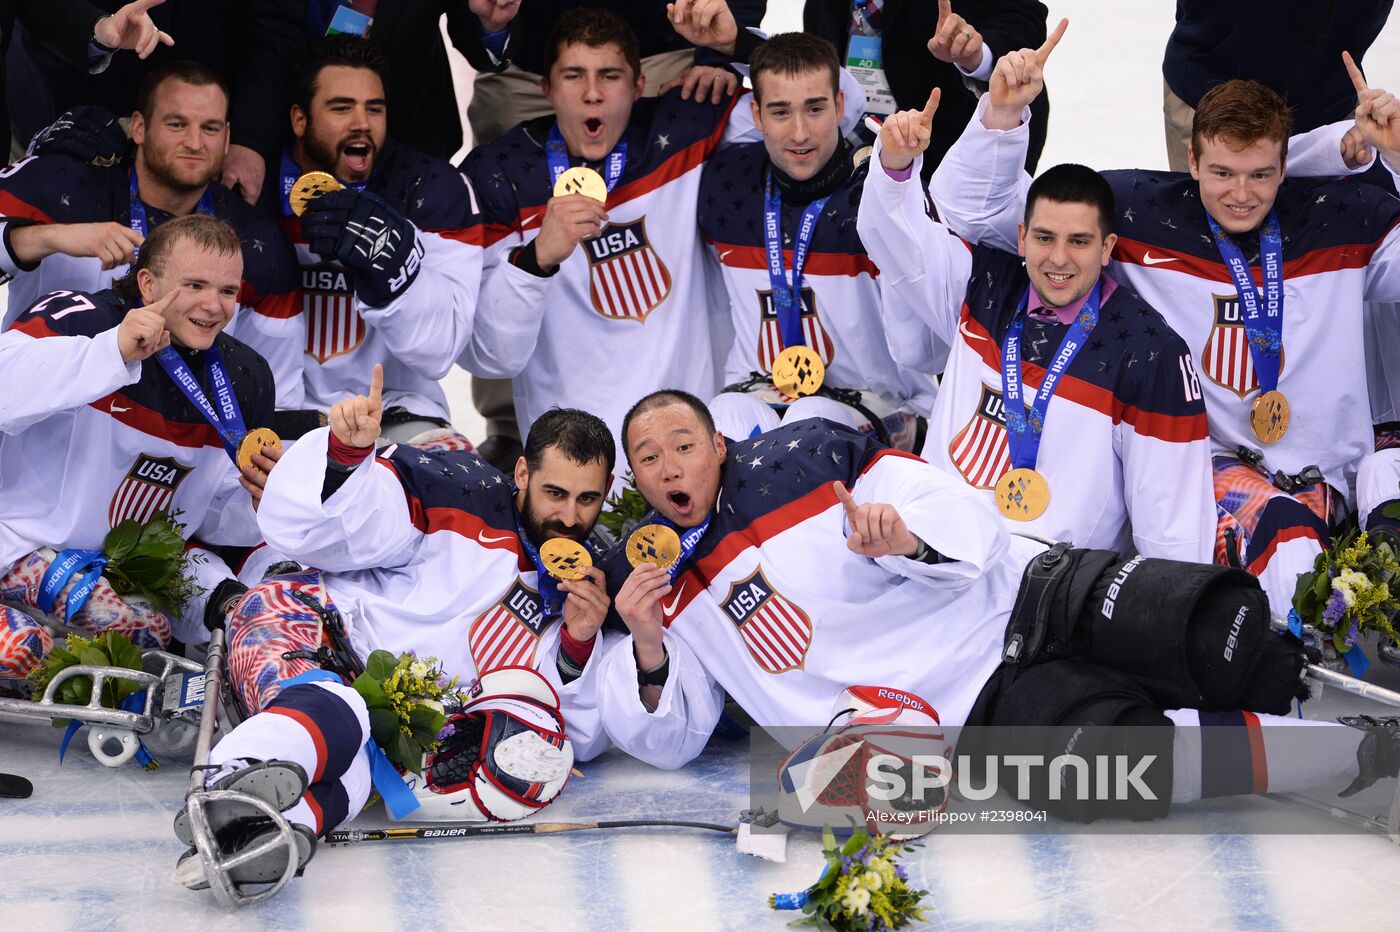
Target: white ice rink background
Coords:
[(92, 849)]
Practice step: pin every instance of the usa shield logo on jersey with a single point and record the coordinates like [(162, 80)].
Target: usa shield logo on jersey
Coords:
[(626, 278), (149, 486), (328, 304), (979, 450), (770, 338), (1226, 360), (776, 632), (506, 634)]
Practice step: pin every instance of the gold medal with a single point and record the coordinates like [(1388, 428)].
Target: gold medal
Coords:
[(798, 371), (253, 443), (585, 181), (1022, 494), (564, 558), (861, 156), (309, 185), (1269, 416), (654, 543)]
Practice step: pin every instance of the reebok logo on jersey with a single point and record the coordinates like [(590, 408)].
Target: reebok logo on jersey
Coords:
[(1149, 259)]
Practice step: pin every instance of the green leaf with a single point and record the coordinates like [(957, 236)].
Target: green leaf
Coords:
[(407, 753), (1322, 586), (121, 539), (383, 725), (372, 692), (93, 656), (1392, 510), (123, 652), (380, 664)]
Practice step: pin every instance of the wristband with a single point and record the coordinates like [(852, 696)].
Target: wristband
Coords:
[(656, 676)]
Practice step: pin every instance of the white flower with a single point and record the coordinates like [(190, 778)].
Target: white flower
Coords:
[(418, 670), (1345, 583), (871, 880), (856, 900), (434, 705)]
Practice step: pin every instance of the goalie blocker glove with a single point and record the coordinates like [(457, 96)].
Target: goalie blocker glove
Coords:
[(87, 133), (371, 239)]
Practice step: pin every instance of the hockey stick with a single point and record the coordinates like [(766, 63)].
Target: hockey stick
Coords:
[(353, 836), (13, 786)]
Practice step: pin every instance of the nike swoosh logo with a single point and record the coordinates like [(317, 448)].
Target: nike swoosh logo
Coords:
[(725, 253), (528, 221), (481, 536), (962, 328), (669, 610), (117, 410), (1149, 259)]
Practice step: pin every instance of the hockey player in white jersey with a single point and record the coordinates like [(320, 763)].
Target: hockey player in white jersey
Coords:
[(811, 560), (1068, 399), (434, 553), (118, 405), (389, 246), (780, 218), (618, 271), (1282, 374)]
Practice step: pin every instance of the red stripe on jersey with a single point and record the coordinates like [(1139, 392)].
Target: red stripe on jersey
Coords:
[(471, 236), (1314, 262), (139, 417), (1173, 428), (818, 263), (1257, 757), (461, 523), (1297, 532), (687, 586), (313, 731), (36, 327), (11, 207), (279, 306)]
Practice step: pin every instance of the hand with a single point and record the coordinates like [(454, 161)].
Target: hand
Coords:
[(87, 133), (355, 421), (639, 605), (876, 530), (131, 27), (142, 332), (567, 219), (702, 80), (1377, 115), (705, 23), (586, 605), (955, 40), (244, 171), (1355, 152), (906, 134), (494, 15), (114, 243), (254, 478), (374, 241), (1017, 79)]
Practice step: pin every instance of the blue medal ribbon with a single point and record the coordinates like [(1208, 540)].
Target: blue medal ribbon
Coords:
[(226, 418), (138, 220), (1263, 322), (556, 152), (787, 298), (291, 171), (1023, 430), (67, 564), (551, 599), (398, 798)]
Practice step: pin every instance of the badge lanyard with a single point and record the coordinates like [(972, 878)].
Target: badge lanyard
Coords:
[(1023, 432), (556, 151), (1263, 325), (226, 418), (787, 299), (551, 601), (138, 220)]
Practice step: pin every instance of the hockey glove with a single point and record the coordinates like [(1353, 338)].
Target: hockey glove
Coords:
[(375, 243), (87, 133)]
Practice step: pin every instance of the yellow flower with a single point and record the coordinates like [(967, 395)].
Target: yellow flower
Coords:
[(871, 880)]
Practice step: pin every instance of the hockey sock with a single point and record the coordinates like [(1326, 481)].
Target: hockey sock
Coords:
[(1240, 753)]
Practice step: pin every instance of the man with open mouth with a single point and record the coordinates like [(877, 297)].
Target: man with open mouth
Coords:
[(389, 249)]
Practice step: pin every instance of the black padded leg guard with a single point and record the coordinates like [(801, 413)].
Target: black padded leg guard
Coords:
[(1073, 711)]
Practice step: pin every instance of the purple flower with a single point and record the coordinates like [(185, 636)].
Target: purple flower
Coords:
[(899, 872), (447, 731), (1336, 608), (1352, 634)]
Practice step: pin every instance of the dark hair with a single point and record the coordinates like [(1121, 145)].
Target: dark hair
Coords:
[(1073, 184), (1240, 113), (661, 399), (593, 28), (191, 72), (793, 53), (580, 436), (343, 50), (205, 231)]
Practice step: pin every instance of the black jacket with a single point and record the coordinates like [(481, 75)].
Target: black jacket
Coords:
[(1005, 25)]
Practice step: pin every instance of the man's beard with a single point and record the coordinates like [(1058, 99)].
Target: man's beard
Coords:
[(541, 531), (324, 155), (163, 173)]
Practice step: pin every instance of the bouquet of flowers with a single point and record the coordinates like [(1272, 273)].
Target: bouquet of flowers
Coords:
[(104, 650), (150, 560), (407, 698), (1353, 587), (862, 887)]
